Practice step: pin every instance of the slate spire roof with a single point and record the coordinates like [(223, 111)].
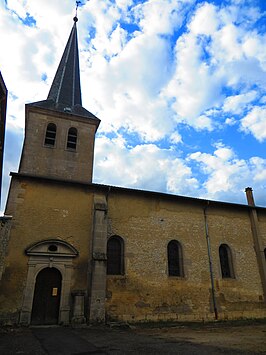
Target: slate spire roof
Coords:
[(65, 92), (65, 88)]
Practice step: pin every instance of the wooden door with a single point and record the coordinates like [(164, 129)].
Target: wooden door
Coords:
[(46, 300)]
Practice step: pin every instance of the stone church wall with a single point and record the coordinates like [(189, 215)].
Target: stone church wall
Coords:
[(147, 293), (44, 210), (5, 225)]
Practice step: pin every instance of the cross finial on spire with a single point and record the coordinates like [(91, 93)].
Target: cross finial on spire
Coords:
[(76, 15)]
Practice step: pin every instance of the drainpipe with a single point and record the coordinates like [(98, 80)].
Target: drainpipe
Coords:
[(210, 261), (258, 246)]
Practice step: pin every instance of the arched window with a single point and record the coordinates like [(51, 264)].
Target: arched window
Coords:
[(72, 138), (115, 256), (226, 261), (175, 259), (50, 135)]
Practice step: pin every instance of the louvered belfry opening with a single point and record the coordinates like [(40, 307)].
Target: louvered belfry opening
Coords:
[(72, 138), (50, 135)]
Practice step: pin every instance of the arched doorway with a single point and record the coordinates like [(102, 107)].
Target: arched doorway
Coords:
[(46, 300), (48, 254)]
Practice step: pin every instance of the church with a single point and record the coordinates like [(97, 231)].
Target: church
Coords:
[(76, 252)]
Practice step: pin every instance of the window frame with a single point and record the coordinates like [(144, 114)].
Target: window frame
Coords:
[(226, 262), (69, 141), (49, 131), (121, 262), (172, 271)]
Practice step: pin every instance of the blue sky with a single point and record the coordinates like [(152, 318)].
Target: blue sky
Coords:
[(179, 86)]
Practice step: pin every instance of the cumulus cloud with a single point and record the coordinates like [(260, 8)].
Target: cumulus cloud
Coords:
[(254, 122), (227, 174), (205, 21), (160, 16), (193, 86), (237, 103), (145, 166)]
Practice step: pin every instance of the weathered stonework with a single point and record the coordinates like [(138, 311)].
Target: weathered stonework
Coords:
[(5, 225), (82, 216), (146, 292), (63, 216), (58, 161), (98, 266)]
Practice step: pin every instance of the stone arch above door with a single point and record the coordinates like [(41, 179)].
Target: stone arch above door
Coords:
[(52, 247), (52, 253)]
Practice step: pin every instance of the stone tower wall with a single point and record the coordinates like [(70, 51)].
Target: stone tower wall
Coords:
[(58, 161)]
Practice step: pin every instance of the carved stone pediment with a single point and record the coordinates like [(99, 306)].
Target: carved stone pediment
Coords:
[(52, 247)]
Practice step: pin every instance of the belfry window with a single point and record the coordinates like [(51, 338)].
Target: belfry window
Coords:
[(115, 256), (226, 261), (175, 259), (72, 138), (50, 135)]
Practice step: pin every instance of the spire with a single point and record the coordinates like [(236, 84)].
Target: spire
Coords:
[(65, 88), (65, 92)]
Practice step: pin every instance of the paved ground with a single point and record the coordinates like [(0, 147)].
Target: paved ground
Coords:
[(245, 338)]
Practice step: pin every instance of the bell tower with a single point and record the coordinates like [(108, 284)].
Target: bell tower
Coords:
[(59, 131)]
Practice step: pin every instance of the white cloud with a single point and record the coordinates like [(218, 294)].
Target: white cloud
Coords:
[(230, 121), (259, 166), (143, 166), (175, 138), (160, 16), (205, 21), (235, 104), (126, 93), (254, 122), (227, 175), (253, 46), (227, 42), (194, 86), (19, 7), (223, 153)]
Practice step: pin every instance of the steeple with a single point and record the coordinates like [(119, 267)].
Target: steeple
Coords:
[(59, 132), (65, 88), (65, 92)]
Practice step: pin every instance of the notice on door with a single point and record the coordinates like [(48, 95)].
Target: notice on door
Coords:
[(54, 292)]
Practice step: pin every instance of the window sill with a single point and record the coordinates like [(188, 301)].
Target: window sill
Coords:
[(71, 150), (176, 277), (49, 146), (117, 277)]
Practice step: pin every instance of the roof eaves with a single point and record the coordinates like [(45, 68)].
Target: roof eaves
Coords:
[(109, 188)]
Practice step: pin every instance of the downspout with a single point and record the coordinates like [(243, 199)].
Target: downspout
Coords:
[(210, 261)]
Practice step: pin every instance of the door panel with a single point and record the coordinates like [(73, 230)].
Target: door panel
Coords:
[(46, 300)]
